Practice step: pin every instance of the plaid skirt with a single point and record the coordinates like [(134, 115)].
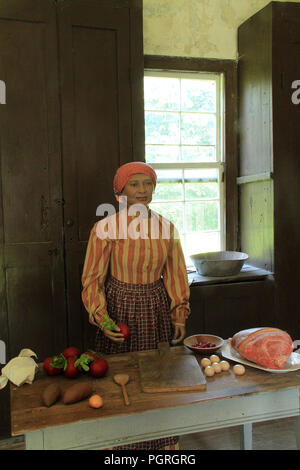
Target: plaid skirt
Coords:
[(145, 309)]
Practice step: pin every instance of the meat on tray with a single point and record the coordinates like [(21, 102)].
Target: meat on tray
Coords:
[(268, 347)]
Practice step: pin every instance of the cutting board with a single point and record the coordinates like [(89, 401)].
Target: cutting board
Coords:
[(170, 370)]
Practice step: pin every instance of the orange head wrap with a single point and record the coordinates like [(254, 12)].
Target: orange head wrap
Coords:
[(125, 172)]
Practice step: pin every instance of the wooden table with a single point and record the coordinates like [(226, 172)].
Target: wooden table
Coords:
[(228, 401)]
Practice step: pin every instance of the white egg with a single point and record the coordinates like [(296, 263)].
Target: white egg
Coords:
[(209, 371), (225, 365), (238, 369), (205, 362), (217, 367), (214, 358)]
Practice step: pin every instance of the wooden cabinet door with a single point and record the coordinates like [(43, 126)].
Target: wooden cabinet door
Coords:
[(33, 313), (101, 69), (286, 138), (224, 309)]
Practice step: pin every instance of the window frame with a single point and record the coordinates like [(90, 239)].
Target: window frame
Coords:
[(228, 68)]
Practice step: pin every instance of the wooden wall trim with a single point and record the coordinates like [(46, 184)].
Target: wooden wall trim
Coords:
[(254, 178), (229, 69)]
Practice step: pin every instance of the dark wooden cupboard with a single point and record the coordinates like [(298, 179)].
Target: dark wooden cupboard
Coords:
[(102, 114), (74, 82), (224, 309), (269, 142), (73, 71), (33, 312)]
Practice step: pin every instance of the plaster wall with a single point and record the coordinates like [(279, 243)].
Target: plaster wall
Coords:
[(196, 28)]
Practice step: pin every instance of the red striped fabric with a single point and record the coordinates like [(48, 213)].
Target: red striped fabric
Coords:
[(140, 260)]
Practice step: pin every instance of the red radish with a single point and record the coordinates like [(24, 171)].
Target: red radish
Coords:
[(70, 370), (85, 359), (93, 354), (111, 325), (124, 329), (49, 369), (71, 351), (98, 368)]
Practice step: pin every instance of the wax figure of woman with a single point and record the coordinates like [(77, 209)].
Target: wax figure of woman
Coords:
[(134, 272)]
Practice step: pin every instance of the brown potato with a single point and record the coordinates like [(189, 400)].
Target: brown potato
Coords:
[(77, 392), (51, 394)]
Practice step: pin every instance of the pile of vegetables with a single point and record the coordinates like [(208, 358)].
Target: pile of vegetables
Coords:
[(71, 363), (77, 392)]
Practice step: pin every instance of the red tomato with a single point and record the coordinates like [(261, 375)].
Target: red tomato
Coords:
[(98, 368), (124, 329), (71, 351), (50, 370)]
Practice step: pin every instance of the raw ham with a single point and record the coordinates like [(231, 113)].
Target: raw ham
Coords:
[(268, 347)]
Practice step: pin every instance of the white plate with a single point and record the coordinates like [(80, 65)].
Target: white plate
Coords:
[(292, 364)]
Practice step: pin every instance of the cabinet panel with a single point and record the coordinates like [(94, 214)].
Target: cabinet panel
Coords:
[(24, 130), (224, 309), (31, 219), (97, 132), (257, 222), (286, 138), (255, 94), (281, 67), (32, 283), (74, 85), (101, 59), (195, 323)]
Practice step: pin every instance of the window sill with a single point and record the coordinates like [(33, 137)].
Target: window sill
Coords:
[(248, 273)]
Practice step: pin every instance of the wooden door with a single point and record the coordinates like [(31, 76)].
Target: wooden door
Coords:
[(101, 68), (286, 137), (33, 313), (256, 221)]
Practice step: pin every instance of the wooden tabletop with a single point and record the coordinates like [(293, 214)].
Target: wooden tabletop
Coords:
[(29, 414)]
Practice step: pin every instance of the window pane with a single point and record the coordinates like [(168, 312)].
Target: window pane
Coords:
[(171, 211), (162, 128), (169, 185), (162, 153), (162, 94), (198, 242), (198, 95), (198, 129), (200, 216), (201, 184), (198, 154), (181, 127)]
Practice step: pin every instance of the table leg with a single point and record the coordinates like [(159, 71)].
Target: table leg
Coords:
[(297, 430), (246, 436)]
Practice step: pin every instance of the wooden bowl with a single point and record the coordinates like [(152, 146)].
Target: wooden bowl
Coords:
[(191, 340)]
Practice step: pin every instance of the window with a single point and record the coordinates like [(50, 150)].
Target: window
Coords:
[(184, 129)]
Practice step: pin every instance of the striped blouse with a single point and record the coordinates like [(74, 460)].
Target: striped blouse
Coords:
[(138, 251)]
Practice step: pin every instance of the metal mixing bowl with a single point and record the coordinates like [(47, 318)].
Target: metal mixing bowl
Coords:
[(219, 263)]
